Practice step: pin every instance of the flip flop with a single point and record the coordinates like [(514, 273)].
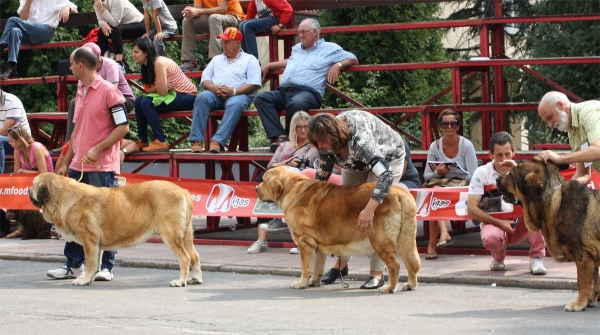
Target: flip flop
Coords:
[(431, 257), (444, 243)]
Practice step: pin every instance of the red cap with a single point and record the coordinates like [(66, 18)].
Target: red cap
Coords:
[(230, 34)]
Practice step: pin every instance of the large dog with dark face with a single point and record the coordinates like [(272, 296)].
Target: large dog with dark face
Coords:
[(101, 218), (322, 218), (567, 213)]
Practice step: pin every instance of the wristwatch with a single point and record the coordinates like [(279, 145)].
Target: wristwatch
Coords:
[(124, 151), (340, 65), (280, 26)]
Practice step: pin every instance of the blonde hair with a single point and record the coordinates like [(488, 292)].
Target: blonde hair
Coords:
[(20, 134), (298, 116)]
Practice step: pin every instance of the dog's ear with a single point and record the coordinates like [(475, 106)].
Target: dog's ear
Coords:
[(43, 194)]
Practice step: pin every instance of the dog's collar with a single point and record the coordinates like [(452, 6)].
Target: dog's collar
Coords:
[(557, 186)]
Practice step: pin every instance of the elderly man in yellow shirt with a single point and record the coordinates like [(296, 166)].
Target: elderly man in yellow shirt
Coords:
[(582, 123)]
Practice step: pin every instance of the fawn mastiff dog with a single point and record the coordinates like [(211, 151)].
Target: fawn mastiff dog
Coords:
[(322, 218), (567, 213), (101, 218)]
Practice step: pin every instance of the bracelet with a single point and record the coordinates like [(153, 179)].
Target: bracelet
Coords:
[(234, 91)]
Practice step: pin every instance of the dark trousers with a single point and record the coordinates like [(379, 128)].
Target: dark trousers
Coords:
[(118, 34), (292, 98), (73, 251), (147, 114)]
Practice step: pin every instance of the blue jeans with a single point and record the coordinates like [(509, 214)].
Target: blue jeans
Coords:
[(17, 32), (292, 98), (73, 251), (146, 113), (249, 28), (207, 101), (4, 147)]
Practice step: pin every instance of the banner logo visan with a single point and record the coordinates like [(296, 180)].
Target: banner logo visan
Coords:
[(222, 198), (426, 203)]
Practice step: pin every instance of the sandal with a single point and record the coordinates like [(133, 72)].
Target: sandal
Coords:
[(431, 256)]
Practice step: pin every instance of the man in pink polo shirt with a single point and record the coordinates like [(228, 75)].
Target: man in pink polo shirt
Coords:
[(100, 123)]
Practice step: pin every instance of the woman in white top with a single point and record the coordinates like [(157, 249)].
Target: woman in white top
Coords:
[(118, 20), (451, 147)]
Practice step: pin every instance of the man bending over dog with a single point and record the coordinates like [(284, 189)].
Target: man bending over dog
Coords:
[(497, 233), (93, 156), (582, 123)]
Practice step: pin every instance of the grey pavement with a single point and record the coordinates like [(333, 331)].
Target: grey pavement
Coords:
[(449, 268)]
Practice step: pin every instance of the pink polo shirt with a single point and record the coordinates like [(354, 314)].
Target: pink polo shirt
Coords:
[(94, 124)]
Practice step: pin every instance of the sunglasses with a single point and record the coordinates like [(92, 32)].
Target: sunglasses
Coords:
[(451, 124)]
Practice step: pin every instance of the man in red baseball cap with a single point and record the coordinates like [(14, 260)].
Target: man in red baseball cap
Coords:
[(231, 34), (229, 82)]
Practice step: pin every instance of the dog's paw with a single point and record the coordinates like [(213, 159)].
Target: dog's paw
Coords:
[(193, 281), (387, 289), (299, 284), (574, 307), (592, 302), (315, 283), (177, 283), (407, 287), (81, 281)]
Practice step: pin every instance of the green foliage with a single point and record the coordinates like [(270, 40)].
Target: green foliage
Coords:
[(387, 47)]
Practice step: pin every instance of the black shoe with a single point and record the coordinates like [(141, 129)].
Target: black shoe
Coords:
[(373, 283), (277, 142), (9, 74), (333, 274)]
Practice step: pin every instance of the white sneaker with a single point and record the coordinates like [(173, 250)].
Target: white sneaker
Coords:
[(294, 251), (257, 247), (497, 266), (104, 275), (274, 225), (536, 266), (65, 272)]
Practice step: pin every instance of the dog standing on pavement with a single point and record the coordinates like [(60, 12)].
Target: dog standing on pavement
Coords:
[(101, 218), (567, 213), (322, 219)]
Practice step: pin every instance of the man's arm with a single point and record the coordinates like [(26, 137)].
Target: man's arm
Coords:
[(115, 136), (9, 123), (476, 213), (24, 12), (198, 10), (334, 72), (273, 66)]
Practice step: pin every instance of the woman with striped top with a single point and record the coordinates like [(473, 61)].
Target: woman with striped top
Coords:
[(167, 90)]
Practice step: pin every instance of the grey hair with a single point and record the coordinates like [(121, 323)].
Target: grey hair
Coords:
[(552, 97), (313, 24)]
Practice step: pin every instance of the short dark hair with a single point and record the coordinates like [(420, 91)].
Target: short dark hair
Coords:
[(85, 56), (501, 138), (449, 111)]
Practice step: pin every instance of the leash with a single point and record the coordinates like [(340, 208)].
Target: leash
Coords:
[(86, 160), (344, 284)]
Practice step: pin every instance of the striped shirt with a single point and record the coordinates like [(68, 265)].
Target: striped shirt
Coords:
[(585, 125), (262, 10), (310, 67), (12, 108), (178, 80), (244, 69)]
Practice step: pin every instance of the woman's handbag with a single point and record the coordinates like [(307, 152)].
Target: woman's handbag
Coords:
[(446, 182)]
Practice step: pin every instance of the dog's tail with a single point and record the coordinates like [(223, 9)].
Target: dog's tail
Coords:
[(407, 240)]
